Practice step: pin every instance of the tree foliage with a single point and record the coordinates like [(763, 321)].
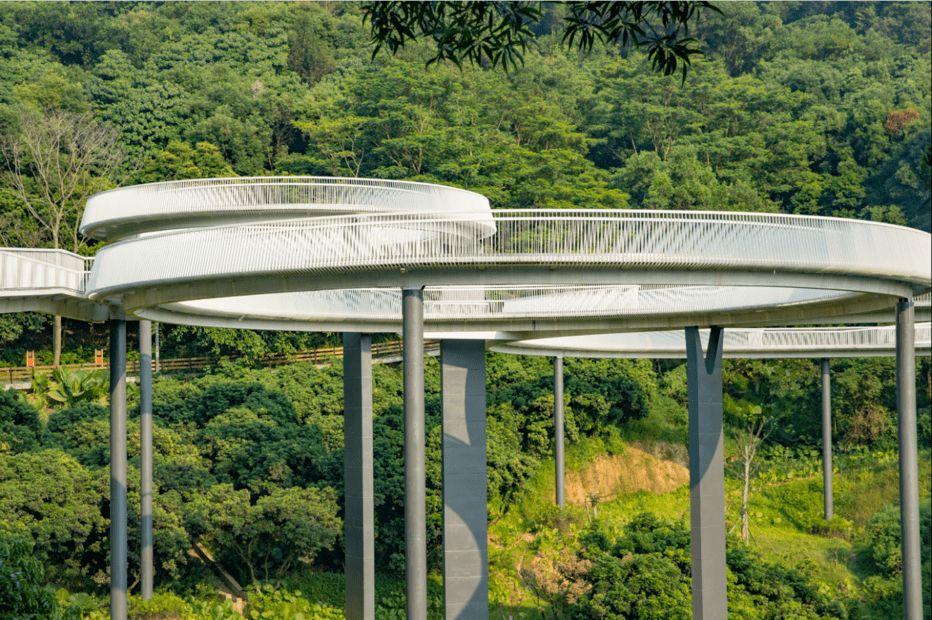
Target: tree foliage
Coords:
[(55, 161), (271, 534), (499, 32), (23, 591)]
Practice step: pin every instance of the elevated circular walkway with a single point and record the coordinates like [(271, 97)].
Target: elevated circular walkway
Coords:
[(358, 255), (309, 253)]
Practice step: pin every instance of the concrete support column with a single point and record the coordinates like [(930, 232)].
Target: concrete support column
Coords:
[(909, 466), (827, 439), (359, 531), (145, 466), (706, 475), (412, 308), (465, 516), (118, 522), (558, 440)]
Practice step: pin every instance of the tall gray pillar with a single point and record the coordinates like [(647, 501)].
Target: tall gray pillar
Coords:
[(359, 528), (145, 466), (909, 466), (465, 498), (118, 524), (558, 441), (706, 475), (412, 308), (827, 439)]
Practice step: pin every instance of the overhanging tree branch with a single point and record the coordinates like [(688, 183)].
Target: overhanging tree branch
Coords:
[(499, 32)]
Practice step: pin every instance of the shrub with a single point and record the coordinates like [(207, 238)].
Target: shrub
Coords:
[(160, 607), (66, 419), (23, 593), (882, 538), (271, 604), (649, 586), (19, 424)]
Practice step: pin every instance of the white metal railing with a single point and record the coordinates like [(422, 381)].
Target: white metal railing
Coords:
[(155, 205), (487, 304), (699, 241), (38, 269), (739, 342)]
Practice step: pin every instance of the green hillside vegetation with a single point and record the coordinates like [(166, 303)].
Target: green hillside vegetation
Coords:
[(806, 108), (251, 457)]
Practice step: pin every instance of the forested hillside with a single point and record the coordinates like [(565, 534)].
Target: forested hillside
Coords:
[(811, 108)]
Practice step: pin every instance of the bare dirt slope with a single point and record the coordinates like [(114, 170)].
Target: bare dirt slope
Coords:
[(660, 471)]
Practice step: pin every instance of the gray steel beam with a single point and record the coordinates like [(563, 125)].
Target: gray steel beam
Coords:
[(827, 439), (706, 475), (118, 518), (147, 572), (909, 466), (357, 461), (412, 308), (465, 515), (558, 441)]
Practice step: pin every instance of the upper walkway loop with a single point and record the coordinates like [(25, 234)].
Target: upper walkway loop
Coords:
[(207, 202)]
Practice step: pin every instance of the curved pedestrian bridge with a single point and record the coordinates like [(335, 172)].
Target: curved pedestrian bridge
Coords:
[(360, 256)]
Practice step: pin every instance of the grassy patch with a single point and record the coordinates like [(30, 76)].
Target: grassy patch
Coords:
[(666, 422)]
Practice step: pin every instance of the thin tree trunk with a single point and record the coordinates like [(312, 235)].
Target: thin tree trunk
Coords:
[(56, 337), (745, 532)]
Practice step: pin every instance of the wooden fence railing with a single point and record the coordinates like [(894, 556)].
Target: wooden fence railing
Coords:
[(24, 374)]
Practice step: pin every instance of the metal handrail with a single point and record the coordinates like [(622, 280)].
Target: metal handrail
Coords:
[(42, 269), (154, 206), (738, 342), (697, 241)]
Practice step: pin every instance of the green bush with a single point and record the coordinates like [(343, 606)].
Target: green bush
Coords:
[(271, 604), (77, 385), (924, 425), (392, 604), (214, 610), (648, 587), (82, 431), (882, 539), (23, 592), (162, 606), (69, 417), (20, 428), (325, 588)]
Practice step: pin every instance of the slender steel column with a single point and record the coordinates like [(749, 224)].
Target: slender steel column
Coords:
[(827, 438), (465, 514), (357, 462), (909, 466), (706, 475), (412, 308), (145, 466), (558, 441), (118, 524)]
